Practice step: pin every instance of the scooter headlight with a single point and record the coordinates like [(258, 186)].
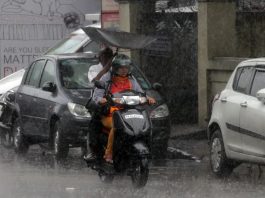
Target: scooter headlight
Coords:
[(160, 112), (143, 100), (78, 110), (118, 100)]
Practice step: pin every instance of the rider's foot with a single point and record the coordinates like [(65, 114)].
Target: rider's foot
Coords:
[(108, 158), (90, 157)]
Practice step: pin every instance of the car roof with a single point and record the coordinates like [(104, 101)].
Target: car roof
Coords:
[(244, 63), (71, 55), (80, 31)]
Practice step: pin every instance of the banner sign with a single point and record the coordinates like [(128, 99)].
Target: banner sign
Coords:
[(28, 28), (250, 5), (110, 20), (161, 47), (110, 6)]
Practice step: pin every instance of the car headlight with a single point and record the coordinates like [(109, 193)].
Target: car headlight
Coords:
[(160, 111), (78, 110)]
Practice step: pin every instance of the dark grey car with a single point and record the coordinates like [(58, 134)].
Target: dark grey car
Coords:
[(49, 105)]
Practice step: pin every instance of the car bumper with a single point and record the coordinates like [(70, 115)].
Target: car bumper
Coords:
[(75, 129), (161, 131)]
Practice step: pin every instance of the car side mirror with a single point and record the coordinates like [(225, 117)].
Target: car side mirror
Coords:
[(261, 95), (157, 86), (99, 84), (49, 86)]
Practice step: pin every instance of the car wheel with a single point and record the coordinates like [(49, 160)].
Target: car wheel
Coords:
[(21, 145), (60, 145), (7, 139), (220, 164)]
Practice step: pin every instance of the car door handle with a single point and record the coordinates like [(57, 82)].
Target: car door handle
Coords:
[(224, 99), (244, 104)]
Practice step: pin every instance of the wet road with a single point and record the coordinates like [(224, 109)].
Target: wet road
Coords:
[(39, 176)]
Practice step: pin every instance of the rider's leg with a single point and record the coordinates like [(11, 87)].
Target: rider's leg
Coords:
[(109, 149), (94, 129), (107, 122)]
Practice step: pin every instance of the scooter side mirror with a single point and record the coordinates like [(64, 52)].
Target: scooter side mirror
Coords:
[(157, 86)]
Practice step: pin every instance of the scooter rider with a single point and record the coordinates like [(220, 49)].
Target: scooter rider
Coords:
[(118, 80), (95, 72)]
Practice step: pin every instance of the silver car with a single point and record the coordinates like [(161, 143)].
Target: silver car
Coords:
[(236, 129)]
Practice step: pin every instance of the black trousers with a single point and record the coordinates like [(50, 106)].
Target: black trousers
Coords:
[(94, 131)]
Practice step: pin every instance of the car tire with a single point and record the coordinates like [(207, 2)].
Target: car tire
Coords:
[(60, 145), (21, 146), (220, 164), (7, 139)]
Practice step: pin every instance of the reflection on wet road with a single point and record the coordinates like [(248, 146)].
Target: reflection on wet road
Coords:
[(37, 175)]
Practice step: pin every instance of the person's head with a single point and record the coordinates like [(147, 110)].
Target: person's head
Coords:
[(121, 65), (105, 55)]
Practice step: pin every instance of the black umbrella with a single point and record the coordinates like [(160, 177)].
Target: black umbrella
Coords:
[(119, 39)]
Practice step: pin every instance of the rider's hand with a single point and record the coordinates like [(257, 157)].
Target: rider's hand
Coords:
[(151, 101), (103, 101)]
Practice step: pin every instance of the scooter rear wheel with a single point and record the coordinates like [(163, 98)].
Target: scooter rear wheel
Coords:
[(140, 174)]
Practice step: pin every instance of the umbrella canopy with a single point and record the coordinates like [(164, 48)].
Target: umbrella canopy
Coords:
[(119, 39)]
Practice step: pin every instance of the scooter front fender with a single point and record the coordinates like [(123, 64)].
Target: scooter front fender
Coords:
[(140, 148)]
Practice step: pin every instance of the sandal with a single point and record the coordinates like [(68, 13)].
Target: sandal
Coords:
[(108, 158)]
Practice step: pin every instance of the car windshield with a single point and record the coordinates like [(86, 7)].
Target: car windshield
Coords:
[(70, 44), (74, 72)]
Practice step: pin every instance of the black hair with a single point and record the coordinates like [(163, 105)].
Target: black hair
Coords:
[(106, 52)]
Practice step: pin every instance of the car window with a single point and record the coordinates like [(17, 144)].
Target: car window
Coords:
[(258, 82), (92, 47), (74, 72), (238, 72), (244, 80), (48, 73), (29, 73), (34, 73)]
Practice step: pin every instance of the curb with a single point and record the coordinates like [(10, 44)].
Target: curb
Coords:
[(201, 134)]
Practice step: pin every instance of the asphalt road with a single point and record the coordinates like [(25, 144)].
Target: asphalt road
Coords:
[(40, 176)]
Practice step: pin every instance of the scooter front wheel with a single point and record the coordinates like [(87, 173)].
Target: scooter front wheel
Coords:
[(140, 174)]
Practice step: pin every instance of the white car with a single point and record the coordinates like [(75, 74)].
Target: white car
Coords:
[(236, 130), (11, 81), (76, 42)]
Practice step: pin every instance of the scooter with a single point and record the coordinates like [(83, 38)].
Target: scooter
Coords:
[(132, 139)]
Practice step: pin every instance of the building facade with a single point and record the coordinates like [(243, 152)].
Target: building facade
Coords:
[(172, 60), (228, 32)]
